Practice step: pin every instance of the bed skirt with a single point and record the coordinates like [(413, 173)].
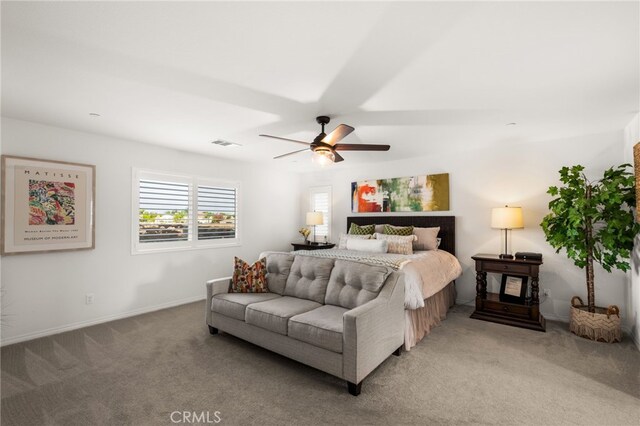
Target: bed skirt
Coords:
[(419, 322)]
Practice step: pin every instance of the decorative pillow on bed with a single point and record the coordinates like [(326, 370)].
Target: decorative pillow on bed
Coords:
[(398, 230), (427, 238), (342, 243), (373, 246), (361, 230), (249, 278), (400, 244)]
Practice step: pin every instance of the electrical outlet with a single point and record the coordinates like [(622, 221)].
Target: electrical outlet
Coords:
[(546, 292), (89, 298)]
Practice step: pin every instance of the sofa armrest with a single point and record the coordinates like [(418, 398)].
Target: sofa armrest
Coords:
[(374, 330), (217, 286)]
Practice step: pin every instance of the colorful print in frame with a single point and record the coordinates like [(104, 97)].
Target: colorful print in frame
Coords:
[(423, 193), (46, 205)]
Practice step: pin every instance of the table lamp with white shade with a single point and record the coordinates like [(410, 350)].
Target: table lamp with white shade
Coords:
[(315, 218), (506, 218)]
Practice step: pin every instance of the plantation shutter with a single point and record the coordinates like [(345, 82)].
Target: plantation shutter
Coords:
[(182, 212), (321, 202), (163, 211), (216, 212)]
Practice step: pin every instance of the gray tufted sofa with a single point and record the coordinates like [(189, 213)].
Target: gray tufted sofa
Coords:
[(344, 318)]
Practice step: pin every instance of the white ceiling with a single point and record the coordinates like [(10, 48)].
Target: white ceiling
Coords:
[(422, 77)]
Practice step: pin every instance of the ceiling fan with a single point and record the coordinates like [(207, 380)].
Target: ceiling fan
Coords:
[(325, 146)]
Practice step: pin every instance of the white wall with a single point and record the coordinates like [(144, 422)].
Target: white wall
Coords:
[(45, 293), (632, 137), (514, 174)]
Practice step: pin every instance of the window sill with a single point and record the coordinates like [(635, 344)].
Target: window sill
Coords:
[(137, 251)]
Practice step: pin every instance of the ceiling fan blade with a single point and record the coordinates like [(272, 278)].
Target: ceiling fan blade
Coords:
[(338, 157), (338, 134), (284, 139), (360, 147), (290, 153)]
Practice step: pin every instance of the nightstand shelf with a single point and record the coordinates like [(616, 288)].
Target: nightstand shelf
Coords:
[(312, 246), (488, 305)]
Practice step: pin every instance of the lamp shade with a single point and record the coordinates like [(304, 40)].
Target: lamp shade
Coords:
[(507, 218), (314, 218)]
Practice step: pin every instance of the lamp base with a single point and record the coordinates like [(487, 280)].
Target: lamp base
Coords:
[(506, 256)]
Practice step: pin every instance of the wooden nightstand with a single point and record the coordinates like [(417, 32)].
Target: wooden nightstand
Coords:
[(311, 246), (488, 305)]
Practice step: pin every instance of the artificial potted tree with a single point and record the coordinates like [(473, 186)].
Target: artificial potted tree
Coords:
[(593, 221)]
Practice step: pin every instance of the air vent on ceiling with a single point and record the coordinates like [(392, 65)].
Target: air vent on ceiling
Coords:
[(222, 142)]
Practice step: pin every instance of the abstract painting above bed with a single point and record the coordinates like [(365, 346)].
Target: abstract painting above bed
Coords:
[(405, 194)]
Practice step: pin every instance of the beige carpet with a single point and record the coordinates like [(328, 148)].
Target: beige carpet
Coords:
[(140, 370)]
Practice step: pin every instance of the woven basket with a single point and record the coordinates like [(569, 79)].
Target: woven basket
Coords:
[(603, 325)]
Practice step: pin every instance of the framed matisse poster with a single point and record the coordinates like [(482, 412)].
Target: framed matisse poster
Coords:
[(47, 205)]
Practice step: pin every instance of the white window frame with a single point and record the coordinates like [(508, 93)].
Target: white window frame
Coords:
[(192, 243), (323, 189)]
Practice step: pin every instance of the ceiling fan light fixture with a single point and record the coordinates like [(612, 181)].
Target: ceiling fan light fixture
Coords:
[(325, 146), (323, 156)]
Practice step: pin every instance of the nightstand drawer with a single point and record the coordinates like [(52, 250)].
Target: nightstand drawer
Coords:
[(505, 267), (507, 308)]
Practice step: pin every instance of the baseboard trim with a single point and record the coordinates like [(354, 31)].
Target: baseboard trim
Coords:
[(635, 340), (552, 317), (101, 320)]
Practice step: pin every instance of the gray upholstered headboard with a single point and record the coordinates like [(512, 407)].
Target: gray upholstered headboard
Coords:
[(447, 226)]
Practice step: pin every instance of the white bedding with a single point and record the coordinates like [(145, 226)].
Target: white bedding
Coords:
[(426, 272)]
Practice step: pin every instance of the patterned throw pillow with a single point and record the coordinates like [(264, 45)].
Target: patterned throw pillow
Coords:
[(249, 278), (361, 230), (342, 243), (400, 244), (398, 230)]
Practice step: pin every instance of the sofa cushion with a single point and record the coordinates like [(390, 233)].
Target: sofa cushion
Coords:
[(321, 327), (233, 304), (308, 278), (353, 284), (278, 268), (274, 314)]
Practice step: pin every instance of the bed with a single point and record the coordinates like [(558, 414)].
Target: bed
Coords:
[(429, 275)]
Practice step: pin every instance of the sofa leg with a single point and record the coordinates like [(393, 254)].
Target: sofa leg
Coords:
[(213, 330), (397, 351), (354, 389)]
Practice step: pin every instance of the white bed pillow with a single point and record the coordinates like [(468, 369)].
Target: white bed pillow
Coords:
[(342, 243), (401, 244), (373, 246), (427, 238)]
